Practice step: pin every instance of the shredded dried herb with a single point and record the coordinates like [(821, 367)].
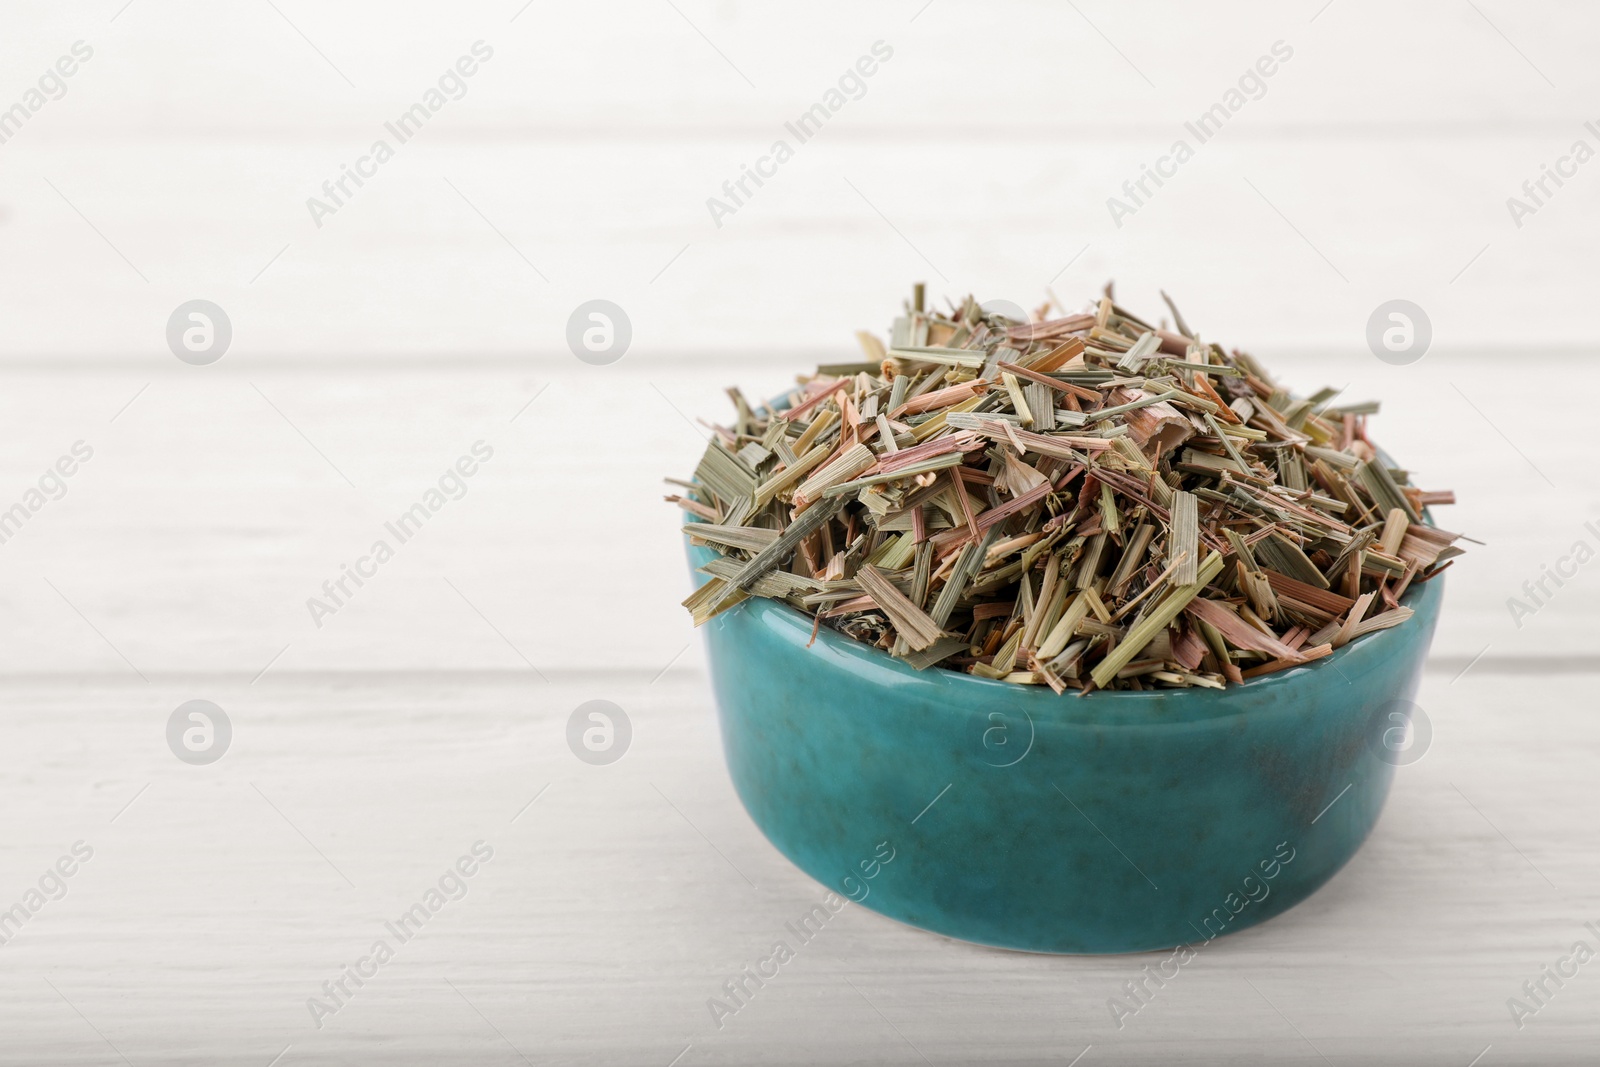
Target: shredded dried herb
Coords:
[(1087, 501)]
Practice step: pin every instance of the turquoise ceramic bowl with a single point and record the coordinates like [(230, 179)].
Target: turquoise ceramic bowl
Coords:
[(1013, 817)]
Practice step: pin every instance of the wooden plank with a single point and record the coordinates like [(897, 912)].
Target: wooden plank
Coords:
[(386, 246), (196, 535), (221, 919)]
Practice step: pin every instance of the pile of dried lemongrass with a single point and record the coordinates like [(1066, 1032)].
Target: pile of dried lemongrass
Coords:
[(1086, 501)]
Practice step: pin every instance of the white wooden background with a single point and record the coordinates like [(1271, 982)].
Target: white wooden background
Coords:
[(421, 317)]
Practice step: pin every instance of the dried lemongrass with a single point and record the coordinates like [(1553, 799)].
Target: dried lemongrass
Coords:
[(1088, 501)]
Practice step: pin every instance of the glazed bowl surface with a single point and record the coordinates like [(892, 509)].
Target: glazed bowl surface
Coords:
[(1017, 818)]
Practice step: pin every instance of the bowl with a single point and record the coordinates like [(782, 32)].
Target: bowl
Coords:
[(1009, 816)]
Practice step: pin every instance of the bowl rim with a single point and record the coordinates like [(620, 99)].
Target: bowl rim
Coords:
[(1195, 702)]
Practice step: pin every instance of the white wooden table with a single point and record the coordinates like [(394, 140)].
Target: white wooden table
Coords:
[(222, 897), (370, 752)]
